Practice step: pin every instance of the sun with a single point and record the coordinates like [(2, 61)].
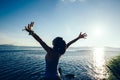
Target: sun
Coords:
[(98, 32)]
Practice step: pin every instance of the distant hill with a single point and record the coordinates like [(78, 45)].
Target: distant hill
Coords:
[(9, 45), (6, 45)]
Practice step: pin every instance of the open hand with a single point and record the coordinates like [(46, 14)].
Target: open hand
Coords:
[(82, 35), (29, 27)]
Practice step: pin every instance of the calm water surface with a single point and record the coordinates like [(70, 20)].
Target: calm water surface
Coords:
[(27, 63)]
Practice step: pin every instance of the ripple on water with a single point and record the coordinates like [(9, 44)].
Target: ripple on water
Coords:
[(21, 66), (30, 65)]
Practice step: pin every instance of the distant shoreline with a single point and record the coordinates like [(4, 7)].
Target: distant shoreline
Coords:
[(10, 45)]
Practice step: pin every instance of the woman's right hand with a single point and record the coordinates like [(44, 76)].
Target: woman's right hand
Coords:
[(82, 35)]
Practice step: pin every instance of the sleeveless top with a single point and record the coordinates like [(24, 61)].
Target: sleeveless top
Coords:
[(52, 66)]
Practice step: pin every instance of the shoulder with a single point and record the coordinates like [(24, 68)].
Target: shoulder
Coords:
[(50, 50)]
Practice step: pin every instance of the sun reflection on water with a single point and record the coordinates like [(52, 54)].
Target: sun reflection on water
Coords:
[(99, 63)]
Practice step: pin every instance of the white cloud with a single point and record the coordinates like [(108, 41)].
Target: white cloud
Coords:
[(81, 0), (73, 0), (63, 0)]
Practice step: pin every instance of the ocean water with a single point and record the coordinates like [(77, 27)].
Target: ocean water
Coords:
[(28, 63)]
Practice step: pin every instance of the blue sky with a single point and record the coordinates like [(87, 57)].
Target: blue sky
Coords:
[(66, 18)]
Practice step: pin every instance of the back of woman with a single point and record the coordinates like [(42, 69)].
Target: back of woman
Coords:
[(53, 54), (51, 71)]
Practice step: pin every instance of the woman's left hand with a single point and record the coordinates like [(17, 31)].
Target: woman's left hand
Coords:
[(29, 27)]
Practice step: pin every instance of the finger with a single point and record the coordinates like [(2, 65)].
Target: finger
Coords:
[(84, 33), (32, 23), (85, 36), (28, 26), (80, 33)]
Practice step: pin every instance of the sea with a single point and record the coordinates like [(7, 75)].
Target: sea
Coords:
[(28, 63)]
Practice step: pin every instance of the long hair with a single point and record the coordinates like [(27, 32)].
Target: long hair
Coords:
[(59, 45)]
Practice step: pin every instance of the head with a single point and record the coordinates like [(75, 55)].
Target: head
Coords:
[(59, 45)]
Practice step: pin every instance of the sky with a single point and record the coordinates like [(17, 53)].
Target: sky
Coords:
[(100, 19)]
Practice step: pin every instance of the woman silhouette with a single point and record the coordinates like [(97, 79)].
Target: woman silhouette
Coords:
[(53, 54)]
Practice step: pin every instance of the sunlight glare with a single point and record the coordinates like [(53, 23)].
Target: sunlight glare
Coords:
[(98, 55), (99, 63), (98, 32)]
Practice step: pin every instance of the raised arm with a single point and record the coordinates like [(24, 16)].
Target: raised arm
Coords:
[(43, 44), (36, 37), (81, 35)]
